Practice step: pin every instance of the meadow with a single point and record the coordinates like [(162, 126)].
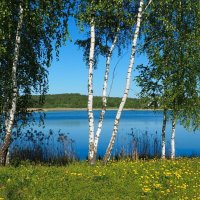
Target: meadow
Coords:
[(142, 179)]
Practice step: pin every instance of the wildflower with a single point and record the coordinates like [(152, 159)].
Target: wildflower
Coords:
[(146, 189), (167, 190), (76, 174), (177, 175), (184, 186), (157, 185), (167, 173)]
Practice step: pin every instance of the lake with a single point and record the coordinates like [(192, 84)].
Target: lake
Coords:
[(139, 122)]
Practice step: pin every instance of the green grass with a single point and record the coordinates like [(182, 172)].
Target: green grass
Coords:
[(153, 179)]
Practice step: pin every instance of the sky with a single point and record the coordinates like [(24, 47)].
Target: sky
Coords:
[(70, 74)]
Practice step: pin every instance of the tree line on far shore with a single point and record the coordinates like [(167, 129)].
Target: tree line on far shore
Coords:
[(75, 100)]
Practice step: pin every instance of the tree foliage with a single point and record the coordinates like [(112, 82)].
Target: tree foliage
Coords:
[(171, 42), (111, 18), (44, 28)]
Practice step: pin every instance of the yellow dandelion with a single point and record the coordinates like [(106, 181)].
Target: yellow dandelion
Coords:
[(157, 185), (177, 175), (146, 189), (184, 186), (167, 190), (167, 173)]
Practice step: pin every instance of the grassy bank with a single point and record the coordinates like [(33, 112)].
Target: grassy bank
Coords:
[(154, 179)]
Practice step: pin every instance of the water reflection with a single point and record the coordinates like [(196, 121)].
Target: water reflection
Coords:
[(76, 123)]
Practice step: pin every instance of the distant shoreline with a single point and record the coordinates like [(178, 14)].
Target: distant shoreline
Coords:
[(85, 109)]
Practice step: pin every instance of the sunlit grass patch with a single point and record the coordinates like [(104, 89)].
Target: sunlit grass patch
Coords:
[(152, 179)]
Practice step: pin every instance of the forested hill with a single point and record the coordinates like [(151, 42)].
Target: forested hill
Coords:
[(76, 100)]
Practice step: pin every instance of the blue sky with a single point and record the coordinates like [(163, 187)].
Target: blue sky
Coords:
[(69, 74)]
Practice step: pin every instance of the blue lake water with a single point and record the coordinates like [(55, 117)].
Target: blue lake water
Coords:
[(76, 124)]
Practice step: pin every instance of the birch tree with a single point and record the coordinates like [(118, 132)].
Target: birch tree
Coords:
[(163, 139), (39, 23), (111, 24), (87, 14), (10, 119), (172, 56), (150, 80), (104, 94), (90, 93), (127, 86), (121, 18)]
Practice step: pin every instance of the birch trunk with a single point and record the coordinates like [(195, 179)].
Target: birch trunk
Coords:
[(11, 113), (90, 94), (173, 137), (127, 87), (163, 156), (104, 95)]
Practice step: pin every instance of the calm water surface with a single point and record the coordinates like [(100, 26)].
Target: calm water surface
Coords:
[(76, 124)]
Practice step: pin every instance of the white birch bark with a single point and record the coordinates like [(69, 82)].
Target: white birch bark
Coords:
[(90, 93), (163, 153), (173, 138), (104, 95), (127, 87), (11, 113)]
